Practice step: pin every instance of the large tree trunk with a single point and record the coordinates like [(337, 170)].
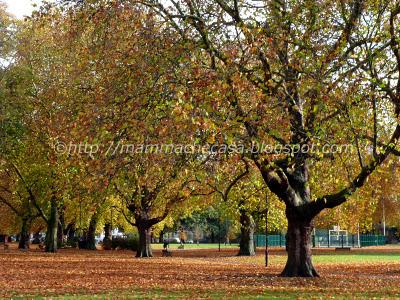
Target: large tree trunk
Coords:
[(144, 248), (69, 232), (52, 228), (91, 233), (61, 226), (60, 235), (25, 234), (292, 186), (107, 236), (247, 226), (299, 233)]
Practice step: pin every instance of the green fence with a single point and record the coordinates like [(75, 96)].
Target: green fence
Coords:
[(322, 240), (372, 240), (273, 240)]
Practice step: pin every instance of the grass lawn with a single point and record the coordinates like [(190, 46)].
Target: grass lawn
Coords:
[(343, 259), (167, 294), (196, 274), (197, 246)]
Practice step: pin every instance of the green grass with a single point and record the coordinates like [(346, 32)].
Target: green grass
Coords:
[(359, 258), (340, 259), (157, 293), (196, 246)]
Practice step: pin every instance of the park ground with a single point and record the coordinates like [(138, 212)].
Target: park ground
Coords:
[(366, 273)]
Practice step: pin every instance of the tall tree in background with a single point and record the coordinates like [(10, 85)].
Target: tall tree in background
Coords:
[(14, 195), (241, 194), (123, 76), (38, 95), (247, 224)]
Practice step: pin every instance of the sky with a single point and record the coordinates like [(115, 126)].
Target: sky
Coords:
[(20, 8)]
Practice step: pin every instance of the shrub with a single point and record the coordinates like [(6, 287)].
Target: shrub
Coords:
[(82, 243), (125, 243), (72, 242), (107, 244)]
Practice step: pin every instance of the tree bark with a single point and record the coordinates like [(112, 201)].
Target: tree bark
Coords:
[(91, 233), (144, 247), (299, 233), (52, 228), (70, 234), (24, 234), (61, 226), (107, 236), (247, 226), (69, 231), (292, 187)]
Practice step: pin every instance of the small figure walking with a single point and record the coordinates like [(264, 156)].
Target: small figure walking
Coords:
[(165, 251)]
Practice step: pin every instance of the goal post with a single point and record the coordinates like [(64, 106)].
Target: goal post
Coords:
[(338, 238)]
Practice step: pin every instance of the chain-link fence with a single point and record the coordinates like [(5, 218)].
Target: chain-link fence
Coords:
[(326, 239)]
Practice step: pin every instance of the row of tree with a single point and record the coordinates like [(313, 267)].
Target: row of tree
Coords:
[(83, 82)]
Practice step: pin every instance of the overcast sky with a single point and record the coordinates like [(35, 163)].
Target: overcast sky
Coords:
[(20, 8)]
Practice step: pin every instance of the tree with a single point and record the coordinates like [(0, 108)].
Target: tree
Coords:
[(7, 37), (129, 106), (247, 224), (14, 196), (207, 222), (44, 96), (21, 152), (297, 74), (151, 193), (241, 194)]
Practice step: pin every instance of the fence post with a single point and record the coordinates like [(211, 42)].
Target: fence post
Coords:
[(329, 242)]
